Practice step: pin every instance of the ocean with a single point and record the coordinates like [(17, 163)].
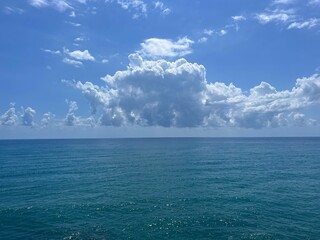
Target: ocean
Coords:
[(166, 188)]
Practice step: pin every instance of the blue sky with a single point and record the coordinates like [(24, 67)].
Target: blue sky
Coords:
[(109, 68)]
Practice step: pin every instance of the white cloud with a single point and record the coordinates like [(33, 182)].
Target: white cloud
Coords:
[(47, 119), (59, 5), (314, 2), (222, 32), (9, 118), (177, 94), (105, 61), (163, 9), (57, 52), (82, 1), (79, 39), (80, 55), (278, 16), (39, 3), (74, 24), (28, 116), (208, 32), (72, 62), (283, 2), (159, 48), (203, 40), (71, 119), (238, 18), (138, 7), (12, 10), (310, 23)]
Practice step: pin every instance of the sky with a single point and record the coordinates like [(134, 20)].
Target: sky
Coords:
[(143, 68)]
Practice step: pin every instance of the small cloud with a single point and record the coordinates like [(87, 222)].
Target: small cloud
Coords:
[(74, 24), (160, 6), (158, 48), (278, 16), (9, 118), (105, 61), (283, 2), (138, 7), (59, 5), (72, 62), (314, 2), (71, 119), (72, 14), (80, 55), (305, 24), (208, 32), (28, 116), (222, 32), (12, 10), (79, 39), (203, 40), (46, 119), (238, 18), (57, 52)]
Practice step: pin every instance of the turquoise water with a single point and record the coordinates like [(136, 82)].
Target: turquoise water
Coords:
[(233, 188)]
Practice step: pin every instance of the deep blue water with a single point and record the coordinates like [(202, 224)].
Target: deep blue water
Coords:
[(196, 188)]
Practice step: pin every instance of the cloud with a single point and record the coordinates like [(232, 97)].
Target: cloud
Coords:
[(80, 55), (310, 23), (160, 48), (79, 39), (76, 57), (72, 62), (71, 119), (283, 2), (222, 32), (138, 7), (59, 5), (208, 32), (160, 6), (28, 116), (314, 2), (9, 118), (177, 94), (238, 18), (203, 40), (12, 10), (74, 24), (47, 119), (57, 52), (278, 16)]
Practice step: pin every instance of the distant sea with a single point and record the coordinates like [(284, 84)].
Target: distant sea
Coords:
[(174, 188)]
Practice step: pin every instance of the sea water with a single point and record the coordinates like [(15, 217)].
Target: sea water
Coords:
[(175, 188)]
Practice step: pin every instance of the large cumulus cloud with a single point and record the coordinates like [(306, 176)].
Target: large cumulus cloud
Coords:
[(177, 94)]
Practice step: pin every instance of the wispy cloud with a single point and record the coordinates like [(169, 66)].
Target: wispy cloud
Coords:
[(238, 18), (314, 2), (72, 62), (277, 16), (74, 24), (310, 23), (161, 7), (12, 10), (59, 5), (283, 2), (138, 7)]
